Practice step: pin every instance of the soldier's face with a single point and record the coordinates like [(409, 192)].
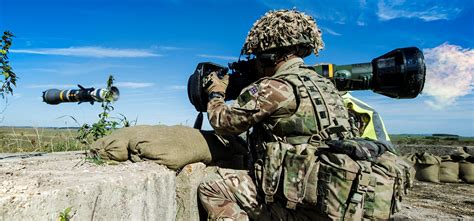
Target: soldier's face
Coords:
[(264, 69)]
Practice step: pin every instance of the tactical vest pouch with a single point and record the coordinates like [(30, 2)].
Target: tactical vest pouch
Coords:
[(298, 169), (386, 180), (272, 167), (336, 177), (294, 179), (408, 173), (364, 186), (311, 194)]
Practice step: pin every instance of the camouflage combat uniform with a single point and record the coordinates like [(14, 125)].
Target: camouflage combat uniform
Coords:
[(272, 103)]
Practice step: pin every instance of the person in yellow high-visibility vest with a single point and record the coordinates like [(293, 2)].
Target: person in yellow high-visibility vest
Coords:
[(367, 120)]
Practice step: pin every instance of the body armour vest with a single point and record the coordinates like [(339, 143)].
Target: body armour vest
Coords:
[(288, 143), (320, 114)]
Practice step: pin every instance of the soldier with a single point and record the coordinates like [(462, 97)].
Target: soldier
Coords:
[(291, 111)]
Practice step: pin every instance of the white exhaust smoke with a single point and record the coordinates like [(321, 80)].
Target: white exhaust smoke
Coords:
[(449, 74)]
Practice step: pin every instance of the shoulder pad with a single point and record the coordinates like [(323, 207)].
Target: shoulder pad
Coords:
[(311, 67), (277, 78)]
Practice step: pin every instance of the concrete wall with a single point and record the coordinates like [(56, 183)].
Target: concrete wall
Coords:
[(39, 188)]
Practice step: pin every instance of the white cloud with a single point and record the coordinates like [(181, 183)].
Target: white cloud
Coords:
[(129, 85), (220, 57), (330, 31), (79, 68), (134, 85), (99, 52), (426, 10), (361, 12), (178, 87), (50, 86), (168, 48), (449, 74), (17, 95), (339, 12), (361, 23)]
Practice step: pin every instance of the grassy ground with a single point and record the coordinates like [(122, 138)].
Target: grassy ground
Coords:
[(13, 139), (431, 140)]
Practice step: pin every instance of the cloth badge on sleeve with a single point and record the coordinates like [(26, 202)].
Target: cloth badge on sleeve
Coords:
[(246, 96), (253, 90)]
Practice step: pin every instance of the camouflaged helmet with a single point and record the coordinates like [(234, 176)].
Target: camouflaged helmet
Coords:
[(283, 28)]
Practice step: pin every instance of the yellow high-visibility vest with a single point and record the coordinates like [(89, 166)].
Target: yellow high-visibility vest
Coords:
[(375, 128)]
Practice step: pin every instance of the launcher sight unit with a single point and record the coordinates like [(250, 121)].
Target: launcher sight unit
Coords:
[(55, 96)]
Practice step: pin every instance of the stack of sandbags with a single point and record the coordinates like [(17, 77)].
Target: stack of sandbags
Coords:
[(172, 146), (448, 169)]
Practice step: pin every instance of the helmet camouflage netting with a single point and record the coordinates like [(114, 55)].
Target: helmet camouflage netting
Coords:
[(283, 28)]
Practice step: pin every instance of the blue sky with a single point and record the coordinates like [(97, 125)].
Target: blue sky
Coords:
[(151, 47)]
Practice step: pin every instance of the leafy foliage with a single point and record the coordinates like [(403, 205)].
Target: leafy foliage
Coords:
[(65, 215), (106, 124), (7, 71), (95, 159)]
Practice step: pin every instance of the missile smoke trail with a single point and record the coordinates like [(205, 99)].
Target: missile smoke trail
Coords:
[(449, 74)]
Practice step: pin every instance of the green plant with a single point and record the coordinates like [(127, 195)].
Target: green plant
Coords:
[(7, 71), (106, 124), (95, 159), (125, 122), (65, 215)]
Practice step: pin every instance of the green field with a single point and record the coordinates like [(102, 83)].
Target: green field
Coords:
[(17, 139), (417, 139)]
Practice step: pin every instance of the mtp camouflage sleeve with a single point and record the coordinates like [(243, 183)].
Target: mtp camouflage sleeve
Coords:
[(265, 98)]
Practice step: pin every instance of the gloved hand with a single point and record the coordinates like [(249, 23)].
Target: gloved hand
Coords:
[(212, 83), (356, 148)]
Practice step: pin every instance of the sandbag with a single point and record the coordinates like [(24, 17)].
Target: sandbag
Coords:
[(448, 170), (411, 158), (427, 168), (427, 158), (172, 146), (466, 170), (459, 156), (469, 150), (114, 147)]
